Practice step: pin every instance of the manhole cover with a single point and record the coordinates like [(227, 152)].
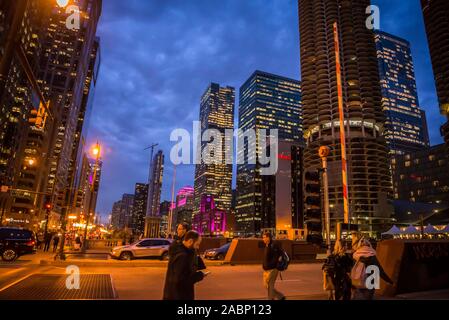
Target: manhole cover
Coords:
[(53, 287)]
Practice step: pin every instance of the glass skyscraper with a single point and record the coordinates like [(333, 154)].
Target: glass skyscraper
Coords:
[(216, 112), (267, 101), (405, 125)]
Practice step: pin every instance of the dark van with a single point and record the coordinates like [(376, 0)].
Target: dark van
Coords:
[(15, 242)]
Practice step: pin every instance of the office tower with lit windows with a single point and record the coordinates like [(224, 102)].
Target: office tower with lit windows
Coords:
[(267, 101), (216, 112), (369, 177), (155, 185), (122, 212), (405, 130), (183, 209), (44, 67), (139, 208), (436, 13), (422, 176), (152, 219)]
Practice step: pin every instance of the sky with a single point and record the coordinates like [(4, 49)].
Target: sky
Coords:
[(159, 56)]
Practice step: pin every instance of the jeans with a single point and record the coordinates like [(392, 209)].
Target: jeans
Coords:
[(269, 280)]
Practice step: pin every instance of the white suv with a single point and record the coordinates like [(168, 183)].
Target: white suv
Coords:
[(145, 248)]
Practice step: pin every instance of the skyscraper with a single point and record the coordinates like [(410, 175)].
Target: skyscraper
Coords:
[(404, 127), (155, 185), (436, 14), (152, 219), (43, 66), (139, 208), (216, 112), (369, 177), (122, 212), (267, 101)]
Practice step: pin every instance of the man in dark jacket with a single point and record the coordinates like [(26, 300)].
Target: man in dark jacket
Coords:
[(182, 273), (181, 231), (271, 256)]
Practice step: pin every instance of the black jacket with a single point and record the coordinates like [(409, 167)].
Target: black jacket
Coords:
[(181, 275), (271, 255), (370, 261)]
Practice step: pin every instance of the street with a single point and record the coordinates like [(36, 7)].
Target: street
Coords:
[(301, 281)]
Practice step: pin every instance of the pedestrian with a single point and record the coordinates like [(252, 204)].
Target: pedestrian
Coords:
[(40, 240), (77, 243), (364, 255), (55, 243), (181, 231), (336, 271), (271, 256), (181, 272), (47, 240)]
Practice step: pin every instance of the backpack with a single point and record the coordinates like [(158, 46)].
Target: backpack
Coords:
[(358, 275), (284, 261)]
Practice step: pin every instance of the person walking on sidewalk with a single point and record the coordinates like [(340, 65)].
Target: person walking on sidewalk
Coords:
[(336, 269), (47, 239), (364, 256), (271, 256), (182, 273), (55, 243)]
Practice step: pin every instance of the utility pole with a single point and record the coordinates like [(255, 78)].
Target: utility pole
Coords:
[(324, 153)]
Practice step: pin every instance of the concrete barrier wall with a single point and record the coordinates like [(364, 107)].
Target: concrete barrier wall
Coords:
[(414, 265), (103, 245), (250, 251), (212, 243)]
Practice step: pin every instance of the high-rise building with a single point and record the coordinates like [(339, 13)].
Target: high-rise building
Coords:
[(437, 26), (139, 208), (282, 199), (422, 176), (155, 185), (122, 212), (267, 101), (164, 213), (404, 126), (210, 221), (44, 66), (369, 177), (216, 112), (183, 210)]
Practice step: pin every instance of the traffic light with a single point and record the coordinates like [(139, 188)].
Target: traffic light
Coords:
[(47, 203), (312, 202), (38, 117)]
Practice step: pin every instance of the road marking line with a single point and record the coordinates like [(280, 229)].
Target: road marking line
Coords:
[(15, 282)]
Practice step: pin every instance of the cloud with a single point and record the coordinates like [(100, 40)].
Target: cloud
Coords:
[(159, 56)]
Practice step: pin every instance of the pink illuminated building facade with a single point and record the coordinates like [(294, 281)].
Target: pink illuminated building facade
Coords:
[(210, 220)]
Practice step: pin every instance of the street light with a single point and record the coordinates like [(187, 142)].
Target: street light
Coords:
[(96, 151)]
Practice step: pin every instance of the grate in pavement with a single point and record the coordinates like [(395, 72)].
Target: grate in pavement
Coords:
[(53, 287)]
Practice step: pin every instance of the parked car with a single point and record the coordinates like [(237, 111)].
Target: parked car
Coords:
[(217, 253), (15, 242), (145, 248)]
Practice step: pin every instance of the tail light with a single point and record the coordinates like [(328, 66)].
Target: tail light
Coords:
[(30, 243)]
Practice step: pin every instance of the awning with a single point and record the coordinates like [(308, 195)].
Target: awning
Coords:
[(430, 229), (394, 231), (411, 230)]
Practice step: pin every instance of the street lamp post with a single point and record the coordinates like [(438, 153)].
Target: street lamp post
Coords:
[(324, 153), (96, 152)]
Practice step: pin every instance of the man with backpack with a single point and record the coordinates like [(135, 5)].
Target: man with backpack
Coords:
[(274, 258)]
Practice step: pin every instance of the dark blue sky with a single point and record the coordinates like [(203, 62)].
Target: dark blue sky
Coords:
[(159, 56)]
